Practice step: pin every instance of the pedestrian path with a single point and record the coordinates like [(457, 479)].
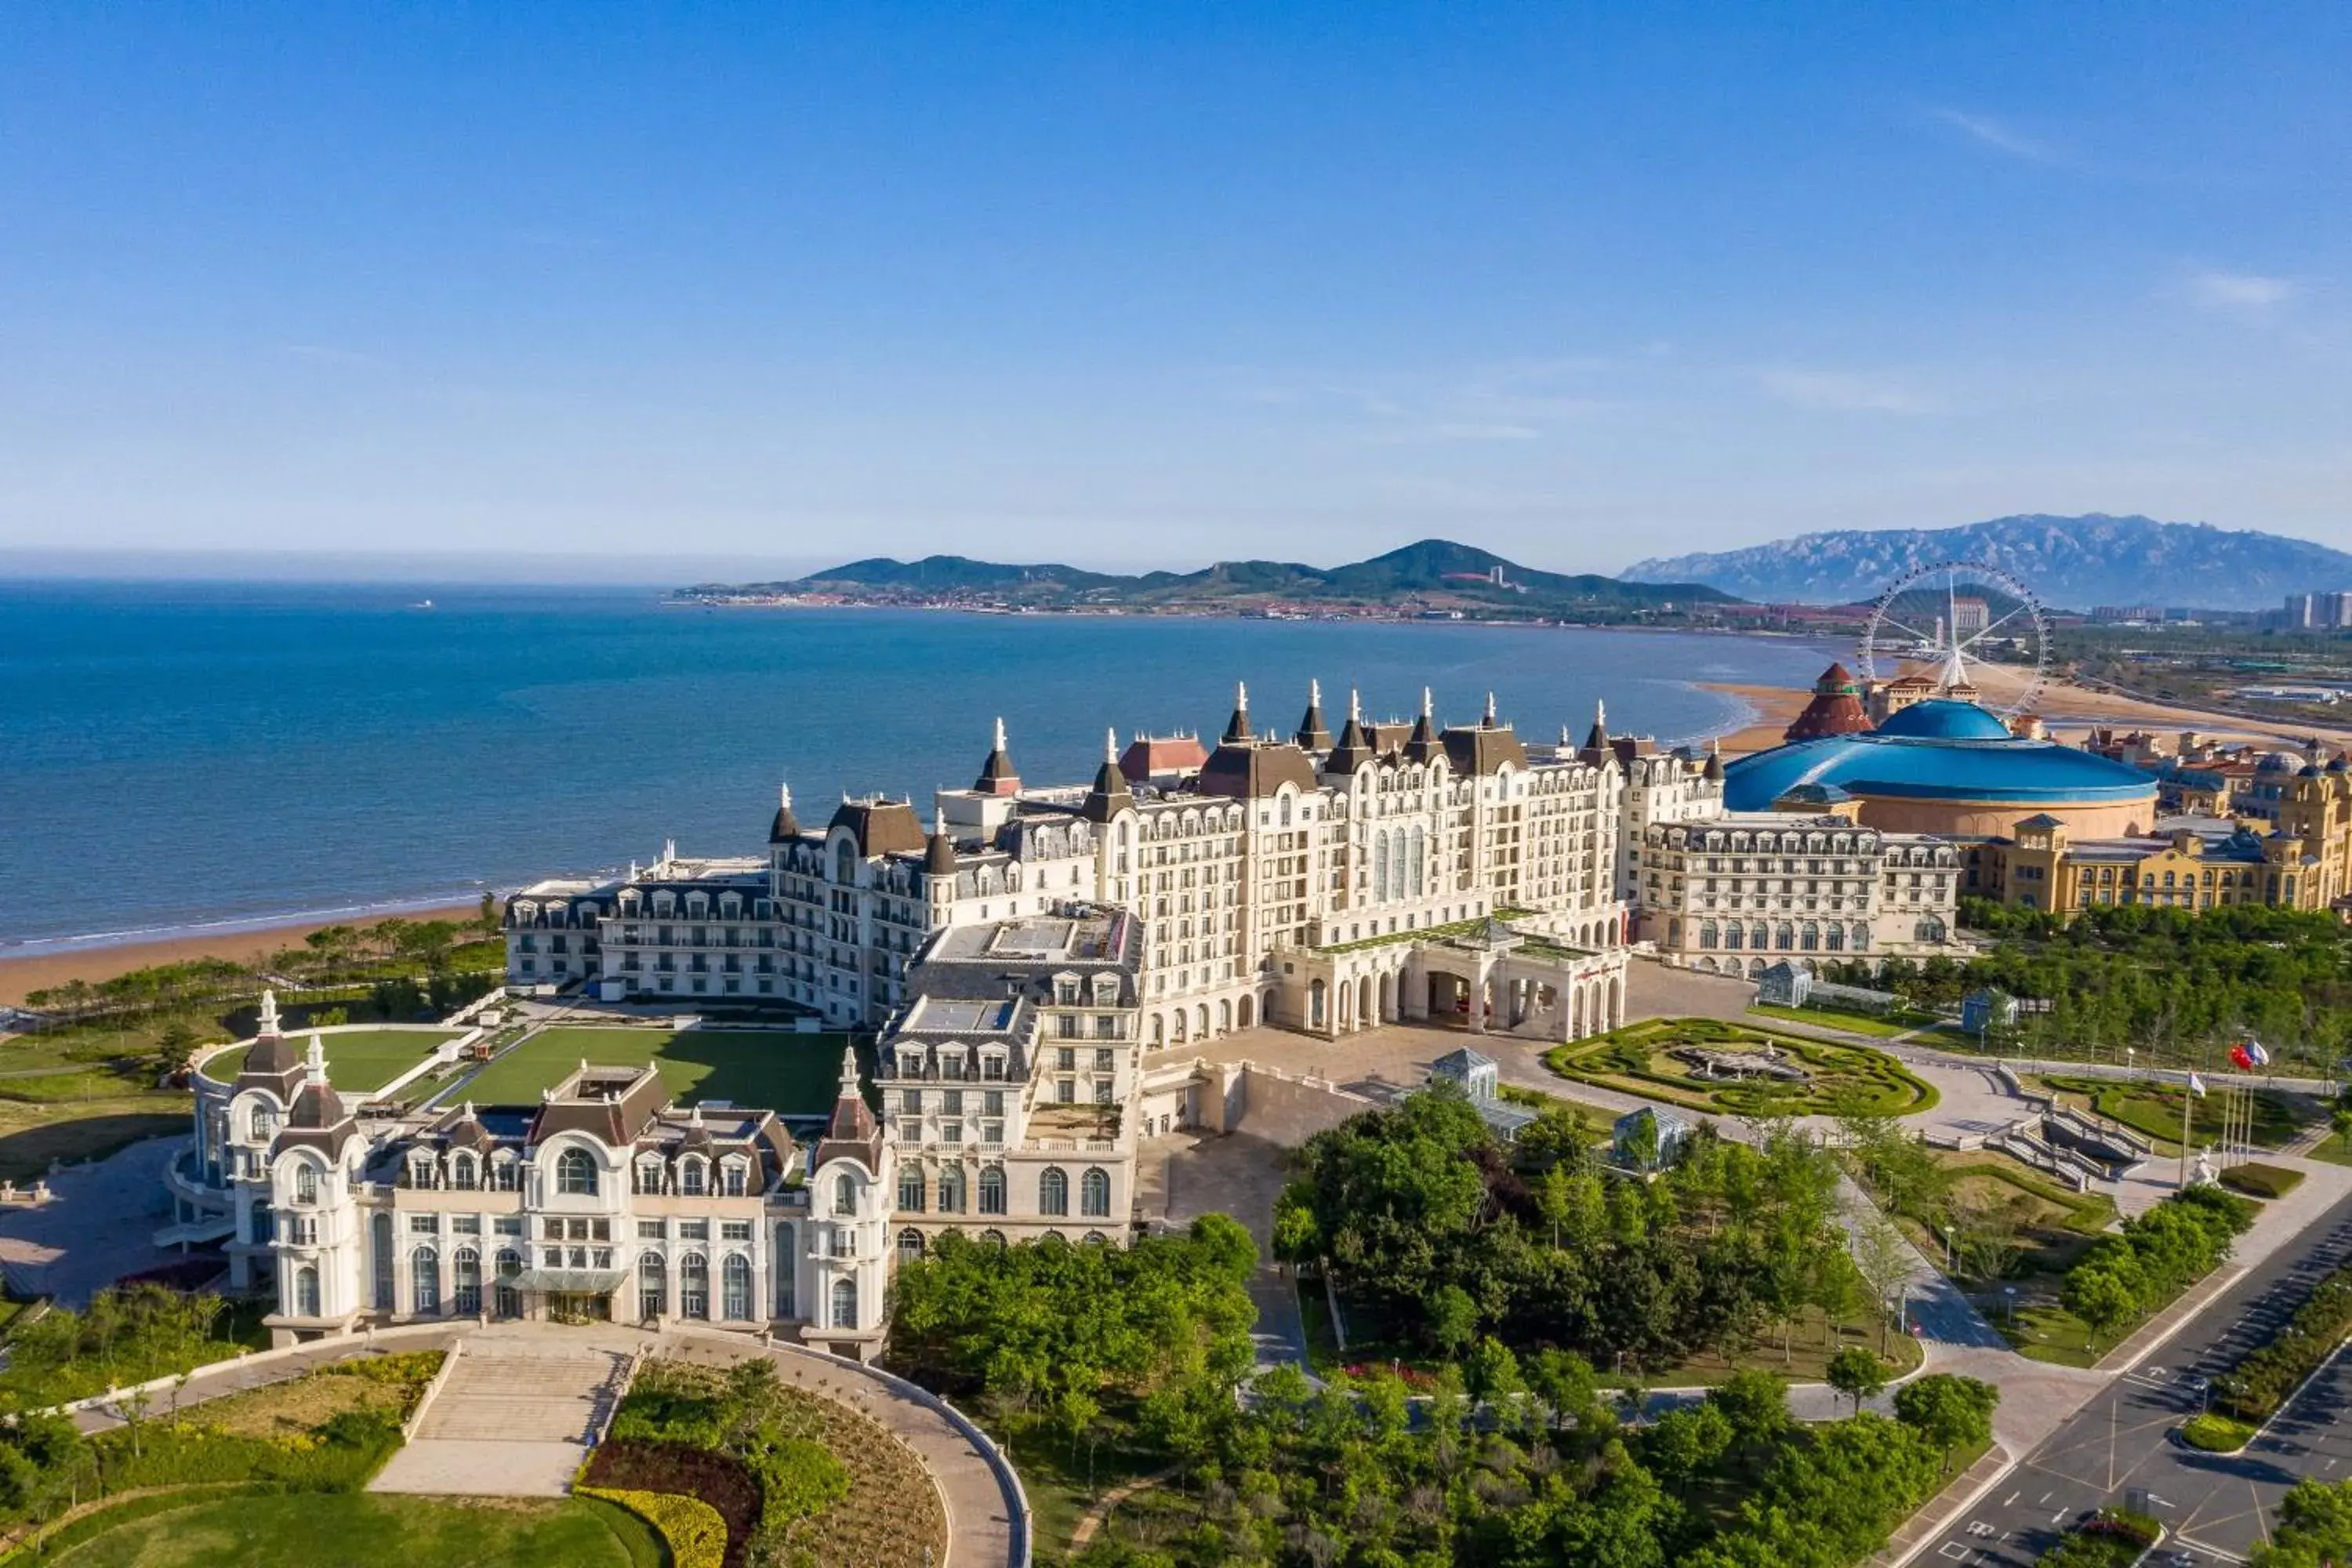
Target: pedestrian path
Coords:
[(515, 1417)]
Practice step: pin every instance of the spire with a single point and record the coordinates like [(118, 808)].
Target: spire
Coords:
[(786, 826), (848, 1072), (1110, 792), (1313, 736), (1488, 720), (996, 775), (1421, 745), (1355, 707), (1713, 771), (314, 1060), (939, 853), (1428, 703), (1237, 728), (1598, 740), (267, 1030)]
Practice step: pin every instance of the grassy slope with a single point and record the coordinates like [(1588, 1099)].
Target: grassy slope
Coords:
[(360, 1530)]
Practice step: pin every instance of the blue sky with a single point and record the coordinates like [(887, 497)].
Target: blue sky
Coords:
[(1163, 283)]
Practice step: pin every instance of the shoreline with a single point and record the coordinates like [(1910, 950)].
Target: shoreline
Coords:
[(35, 965)]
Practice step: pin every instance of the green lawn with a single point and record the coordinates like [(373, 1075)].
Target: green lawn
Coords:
[(358, 1060), (1638, 1059), (774, 1068), (2334, 1150), (360, 1530), (1884, 1027), (2154, 1109), (32, 1135)]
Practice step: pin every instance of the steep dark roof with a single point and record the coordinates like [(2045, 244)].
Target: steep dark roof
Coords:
[(880, 826), (1313, 734), (592, 1108), (1237, 728), (1421, 745), (786, 826), (1109, 792), (1355, 748), (1483, 750), (939, 852), (996, 773), (853, 1131), (1253, 771)]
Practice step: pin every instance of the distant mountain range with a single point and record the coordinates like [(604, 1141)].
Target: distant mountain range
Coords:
[(2075, 561), (1435, 574)]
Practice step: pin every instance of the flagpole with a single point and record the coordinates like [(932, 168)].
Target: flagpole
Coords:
[(2188, 1103)]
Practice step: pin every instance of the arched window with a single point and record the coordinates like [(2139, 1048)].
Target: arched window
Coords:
[(461, 1172), (1094, 1192), (1052, 1191), (1097, 1238), (689, 1176), (994, 1237), (380, 1239), (845, 863), (305, 1292), (649, 1176), (1733, 936), (505, 1299), (734, 1178), (1707, 934), (991, 1189), (910, 1189), (844, 1303), (653, 1286), (787, 1304), (1810, 938), (263, 1123), (952, 1191), (465, 1266), (1413, 861), (845, 1194), (1836, 937), (1381, 867), (910, 1244), (306, 1184), (735, 1287), (575, 1173), (425, 1279), (1788, 936), (693, 1285)]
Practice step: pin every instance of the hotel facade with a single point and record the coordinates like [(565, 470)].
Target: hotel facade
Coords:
[(1035, 967)]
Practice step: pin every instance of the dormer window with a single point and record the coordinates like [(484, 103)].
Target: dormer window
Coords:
[(734, 1174), (461, 1172), (649, 1176), (689, 1177)]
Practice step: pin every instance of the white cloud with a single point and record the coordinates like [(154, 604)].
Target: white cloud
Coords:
[(2240, 293), (1844, 391), (2000, 137)]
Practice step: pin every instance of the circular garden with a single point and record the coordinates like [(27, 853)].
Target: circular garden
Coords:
[(1738, 1069)]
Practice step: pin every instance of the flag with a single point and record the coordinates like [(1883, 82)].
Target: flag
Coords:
[(2197, 1086), (2243, 1059), (2262, 1056)]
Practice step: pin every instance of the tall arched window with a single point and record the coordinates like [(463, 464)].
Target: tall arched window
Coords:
[(787, 1268), (1381, 867), (910, 1245), (1052, 1191), (952, 1191), (689, 1176), (991, 1190), (461, 1172), (306, 1184), (575, 1172), (845, 863), (844, 1303), (845, 1194), (425, 1279), (693, 1285), (305, 1292), (910, 1189), (1413, 861), (735, 1287), (465, 1266), (505, 1299), (653, 1286), (380, 1240), (1094, 1192)]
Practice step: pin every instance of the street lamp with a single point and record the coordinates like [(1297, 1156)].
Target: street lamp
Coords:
[(1949, 1253), (2131, 1070)]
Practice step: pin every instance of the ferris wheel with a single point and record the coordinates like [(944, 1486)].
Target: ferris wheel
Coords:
[(1970, 627)]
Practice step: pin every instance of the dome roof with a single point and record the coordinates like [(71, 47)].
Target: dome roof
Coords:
[(1938, 750), (1942, 718)]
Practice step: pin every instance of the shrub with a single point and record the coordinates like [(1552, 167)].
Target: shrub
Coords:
[(2216, 1434), (719, 1480), (2262, 1181), (690, 1528), (2258, 1385), (797, 1478)]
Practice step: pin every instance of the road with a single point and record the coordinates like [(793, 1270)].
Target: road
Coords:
[(2218, 1506)]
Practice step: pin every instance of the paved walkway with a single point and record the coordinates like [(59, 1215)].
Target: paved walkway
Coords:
[(515, 1418), (97, 1227)]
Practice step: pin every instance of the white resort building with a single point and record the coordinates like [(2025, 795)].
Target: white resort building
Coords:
[(1028, 974)]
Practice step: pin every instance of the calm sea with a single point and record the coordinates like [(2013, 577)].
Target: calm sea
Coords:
[(176, 755)]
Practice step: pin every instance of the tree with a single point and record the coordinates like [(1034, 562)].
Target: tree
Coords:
[(1948, 1411), (2101, 1296), (1682, 1444), (1565, 1382), (2315, 1528), (1492, 1373), (1452, 1319), (1756, 1404), (1885, 1262), (1856, 1373)]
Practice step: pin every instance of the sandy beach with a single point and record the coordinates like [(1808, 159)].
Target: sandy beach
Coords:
[(96, 962)]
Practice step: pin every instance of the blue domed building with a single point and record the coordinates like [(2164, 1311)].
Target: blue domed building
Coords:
[(1949, 767)]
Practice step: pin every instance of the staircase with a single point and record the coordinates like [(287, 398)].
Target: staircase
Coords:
[(511, 1392)]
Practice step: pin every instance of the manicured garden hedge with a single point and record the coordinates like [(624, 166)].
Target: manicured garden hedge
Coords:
[(2258, 1385), (2115, 1539), (2262, 1181), (691, 1528), (720, 1482), (2216, 1434), (1843, 1077)]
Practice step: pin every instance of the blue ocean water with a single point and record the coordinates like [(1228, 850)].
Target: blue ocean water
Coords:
[(174, 755)]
